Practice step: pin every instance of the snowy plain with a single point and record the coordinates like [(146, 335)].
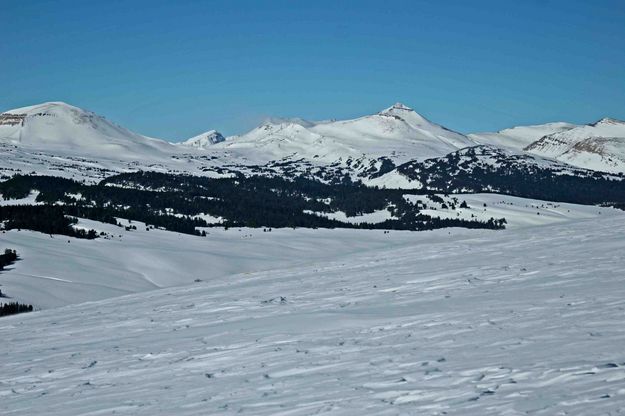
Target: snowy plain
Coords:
[(457, 322)]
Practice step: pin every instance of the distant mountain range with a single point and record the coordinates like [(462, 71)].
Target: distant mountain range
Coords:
[(397, 132), (598, 146), (57, 138), (393, 170)]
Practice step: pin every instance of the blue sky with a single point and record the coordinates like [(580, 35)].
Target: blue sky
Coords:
[(174, 69)]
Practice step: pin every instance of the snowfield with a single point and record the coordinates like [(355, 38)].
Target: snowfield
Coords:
[(371, 218), (457, 322), (518, 212)]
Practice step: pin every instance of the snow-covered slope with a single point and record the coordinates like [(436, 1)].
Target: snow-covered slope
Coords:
[(397, 132), (204, 140), (519, 137), (139, 260), (598, 146), (60, 127), (467, 323)]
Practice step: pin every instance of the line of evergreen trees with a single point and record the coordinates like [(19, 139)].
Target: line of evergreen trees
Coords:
[(255, 201), (14, 307), (11, 308), (9, 257), (49, 219)]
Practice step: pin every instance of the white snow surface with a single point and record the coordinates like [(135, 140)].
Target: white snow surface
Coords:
[(395, 180), (139, 260), (455, 322), (371, 217), (29, 200)]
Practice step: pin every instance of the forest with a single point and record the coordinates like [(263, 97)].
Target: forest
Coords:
[(177, 203), (181, 203)]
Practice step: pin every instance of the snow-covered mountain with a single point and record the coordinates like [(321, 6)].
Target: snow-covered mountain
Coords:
[(58, 133), (597, 146), (397, 132), (59, 139), (60, 127), (204, 140), (517, 138)]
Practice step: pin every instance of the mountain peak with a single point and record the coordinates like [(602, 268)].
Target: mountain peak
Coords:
[(397, 107), (403, 112), (204, 140), (56, 104), (50, 106), (607, 121), (401, 106), (64, 127)]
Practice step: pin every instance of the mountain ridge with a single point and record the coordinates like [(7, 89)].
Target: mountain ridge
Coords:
[(599, 145), (367, 146)]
